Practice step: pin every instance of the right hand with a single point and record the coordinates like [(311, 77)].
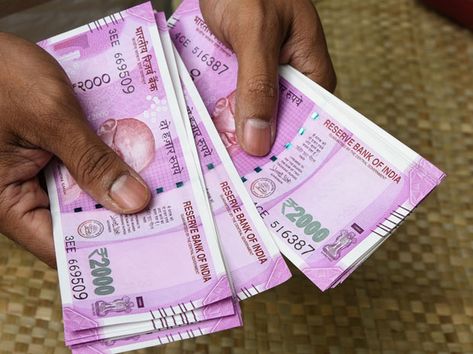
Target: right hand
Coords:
[(265, 34), (40, 117)]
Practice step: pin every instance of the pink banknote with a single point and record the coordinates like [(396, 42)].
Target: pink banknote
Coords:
[(218, 309), (155, 338), (253, 260), (161, 262), (334, 186)]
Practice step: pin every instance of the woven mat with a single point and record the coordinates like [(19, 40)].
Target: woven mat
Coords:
[(411, 72)]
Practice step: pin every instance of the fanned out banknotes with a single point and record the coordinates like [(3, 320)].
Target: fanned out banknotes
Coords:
[(162, 95)]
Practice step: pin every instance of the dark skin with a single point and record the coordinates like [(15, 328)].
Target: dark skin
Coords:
[(41, 118), (265, 34)]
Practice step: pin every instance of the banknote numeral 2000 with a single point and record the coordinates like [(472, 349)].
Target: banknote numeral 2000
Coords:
[(101, 272), (303, 220), (89, 84)]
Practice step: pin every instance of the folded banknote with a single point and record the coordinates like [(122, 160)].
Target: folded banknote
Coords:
[(334, 186), (253, 260), (124, 344), (216, 310), (251, 256), (166, 260)]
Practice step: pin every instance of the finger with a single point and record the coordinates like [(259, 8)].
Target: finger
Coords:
[(96, 168), (257, 89), (306, 50), (26, 219), (36, 235)]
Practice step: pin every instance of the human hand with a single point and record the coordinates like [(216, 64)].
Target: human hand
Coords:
[(40, 117), (264, 34)]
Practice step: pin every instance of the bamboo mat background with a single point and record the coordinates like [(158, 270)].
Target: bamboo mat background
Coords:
[(412, 73)]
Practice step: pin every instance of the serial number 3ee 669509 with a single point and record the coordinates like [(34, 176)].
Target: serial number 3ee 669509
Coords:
[(126, 81), (100, 271)]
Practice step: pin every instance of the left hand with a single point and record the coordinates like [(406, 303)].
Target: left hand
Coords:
[(264, 34), (40, 117)]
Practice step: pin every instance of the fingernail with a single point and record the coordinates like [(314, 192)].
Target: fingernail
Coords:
[(129, 193), (257, 136)]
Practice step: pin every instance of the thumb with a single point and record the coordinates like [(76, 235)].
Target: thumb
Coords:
[(257, 97), (97, 169)]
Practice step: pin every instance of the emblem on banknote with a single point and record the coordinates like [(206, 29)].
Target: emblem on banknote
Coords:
[(103, 308), (263, 187), (112, 341), (344, 239), (90, 229)]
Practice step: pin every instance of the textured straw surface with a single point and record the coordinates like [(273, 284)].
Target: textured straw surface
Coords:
[(411, 72)]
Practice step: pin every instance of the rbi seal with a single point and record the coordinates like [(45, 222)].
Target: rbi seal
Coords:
[(90, 229), (263, 187)]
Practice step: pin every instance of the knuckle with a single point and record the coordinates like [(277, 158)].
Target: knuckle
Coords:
[(9, 198), (324, 75), (316, 64), (303, 48), (94, 163), (262, 86)]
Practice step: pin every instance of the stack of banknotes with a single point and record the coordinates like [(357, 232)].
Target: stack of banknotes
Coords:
[(162, 95)]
